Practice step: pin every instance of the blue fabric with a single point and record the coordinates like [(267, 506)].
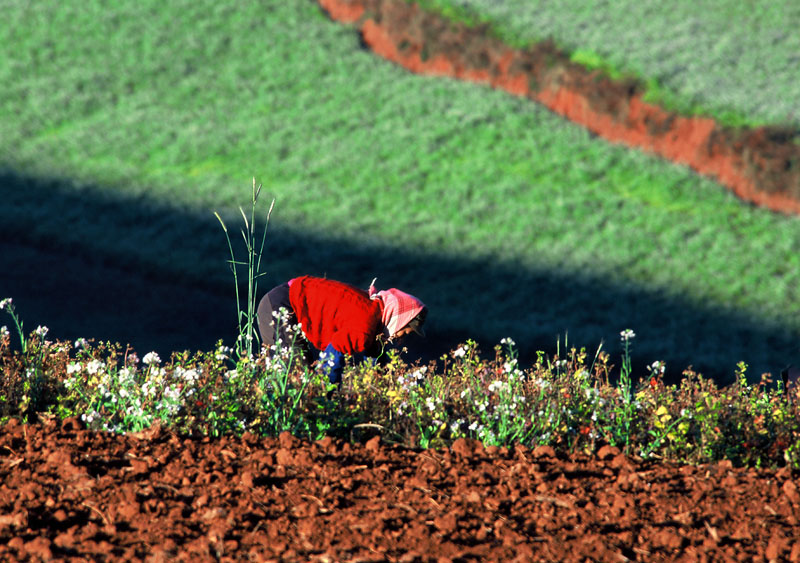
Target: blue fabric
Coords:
[(332, 362)]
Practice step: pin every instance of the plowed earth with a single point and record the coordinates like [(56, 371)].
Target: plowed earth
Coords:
[(68, 494)]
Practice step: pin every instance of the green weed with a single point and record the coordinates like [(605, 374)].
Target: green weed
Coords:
[(247, 339), (28, 389)]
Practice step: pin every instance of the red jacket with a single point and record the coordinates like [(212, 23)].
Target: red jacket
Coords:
[(332, 312)]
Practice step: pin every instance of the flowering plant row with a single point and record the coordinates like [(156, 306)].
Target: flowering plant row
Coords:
[(571, 402)]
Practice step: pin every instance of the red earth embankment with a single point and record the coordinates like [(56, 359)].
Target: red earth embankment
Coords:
[(759, 165), (69, 494)]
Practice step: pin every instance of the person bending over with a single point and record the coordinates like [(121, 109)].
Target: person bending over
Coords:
[(337, 320)]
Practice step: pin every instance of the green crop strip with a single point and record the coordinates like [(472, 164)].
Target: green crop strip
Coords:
[(704, 59)]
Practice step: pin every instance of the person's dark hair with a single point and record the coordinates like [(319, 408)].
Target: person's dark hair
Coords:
[(419, 320)]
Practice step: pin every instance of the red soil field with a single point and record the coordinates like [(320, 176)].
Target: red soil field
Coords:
[(69, 494), (760, 165)]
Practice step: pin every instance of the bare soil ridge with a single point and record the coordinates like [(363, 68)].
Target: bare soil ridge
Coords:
[(67, 493), (760, 165)]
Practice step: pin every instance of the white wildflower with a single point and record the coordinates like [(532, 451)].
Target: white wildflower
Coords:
[(151, 358), (4, 331), (172, 393), (81, 343), (41, 331), (460, 353), (190, 376), (126, 375), (90, 417), (507, 342), (627, 335), (94, 367), (327, 359), (73, 368), (5, 304)]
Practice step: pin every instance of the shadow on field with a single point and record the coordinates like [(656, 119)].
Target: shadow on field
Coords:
[(85, 262)]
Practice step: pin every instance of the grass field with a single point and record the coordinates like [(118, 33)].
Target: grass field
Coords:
[(737, 61), (123, 130)]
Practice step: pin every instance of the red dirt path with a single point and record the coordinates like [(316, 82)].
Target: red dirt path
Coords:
[(761, 165), (68, 494)]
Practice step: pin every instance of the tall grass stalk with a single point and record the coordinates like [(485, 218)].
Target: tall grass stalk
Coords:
[(280, 399), (248, 337), (7, 305), (623, 427)]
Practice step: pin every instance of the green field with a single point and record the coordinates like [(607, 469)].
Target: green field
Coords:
[(737, 61), (122, 130)]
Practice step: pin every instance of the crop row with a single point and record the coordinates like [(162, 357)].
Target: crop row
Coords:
[(569, 401)]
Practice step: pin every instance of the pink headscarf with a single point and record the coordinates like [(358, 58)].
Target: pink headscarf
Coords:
[(399, 308)]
